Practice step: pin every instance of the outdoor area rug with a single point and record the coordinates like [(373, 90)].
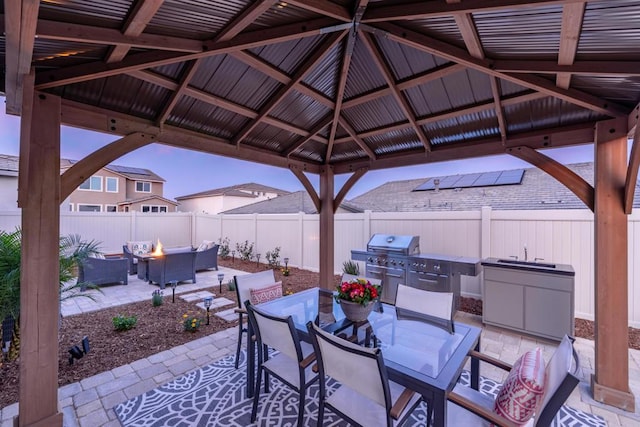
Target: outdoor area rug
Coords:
[(215, 396)]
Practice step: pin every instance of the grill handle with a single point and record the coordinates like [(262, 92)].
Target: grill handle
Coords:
[(380, 273)]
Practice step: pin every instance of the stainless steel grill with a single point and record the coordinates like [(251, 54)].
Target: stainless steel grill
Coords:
[(396, 259)]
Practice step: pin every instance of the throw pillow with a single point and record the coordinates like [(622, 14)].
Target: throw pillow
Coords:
[(267, 293), (203, 246), (97, 255), (523, 388), (141, 247)]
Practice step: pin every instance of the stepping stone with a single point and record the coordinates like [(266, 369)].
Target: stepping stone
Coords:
[(217, 303), (195, 296), (229, 315)]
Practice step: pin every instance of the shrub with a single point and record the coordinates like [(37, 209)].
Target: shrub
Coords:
[(223, 250), (191, 322), (273, 257), (124, 323), (156, 298), (245, 250), (351, 267), (231, 285)]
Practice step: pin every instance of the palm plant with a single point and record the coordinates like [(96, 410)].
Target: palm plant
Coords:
[(72, 250)]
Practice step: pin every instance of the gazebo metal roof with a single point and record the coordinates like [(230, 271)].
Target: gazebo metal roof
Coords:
[(325, 87), (349, 84)]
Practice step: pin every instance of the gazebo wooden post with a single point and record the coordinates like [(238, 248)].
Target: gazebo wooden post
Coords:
[(610, 383), (327, 241), (39, 291)]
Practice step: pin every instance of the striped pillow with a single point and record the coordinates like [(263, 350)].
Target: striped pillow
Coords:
[(523, 388)]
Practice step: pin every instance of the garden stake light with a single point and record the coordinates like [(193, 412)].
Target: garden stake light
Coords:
[(220, 279), (257, 260), (173, 290), (286, 263), (207, 305)]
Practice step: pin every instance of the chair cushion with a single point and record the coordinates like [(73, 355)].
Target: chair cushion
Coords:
[(523, 388), (97, 255), (264, 294), (203, 246), (177, 250), (140, 247)]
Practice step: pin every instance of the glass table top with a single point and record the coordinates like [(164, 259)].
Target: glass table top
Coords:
[(418, 346)]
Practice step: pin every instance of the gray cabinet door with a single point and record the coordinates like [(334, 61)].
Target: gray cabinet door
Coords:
[(503, 304), (547, 313)]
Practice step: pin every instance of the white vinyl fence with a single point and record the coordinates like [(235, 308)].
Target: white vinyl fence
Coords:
[(559, 236)]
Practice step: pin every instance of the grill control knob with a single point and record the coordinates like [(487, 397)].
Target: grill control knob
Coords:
[(436, 267), (370, 259), (401, 263)]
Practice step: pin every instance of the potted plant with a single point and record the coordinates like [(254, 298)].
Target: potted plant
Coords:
[(357, 298)]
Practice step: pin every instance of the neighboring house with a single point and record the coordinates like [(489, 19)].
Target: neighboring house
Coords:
[(520, 189), (224, 199), (117, 188), (8, 183), (299, 201)]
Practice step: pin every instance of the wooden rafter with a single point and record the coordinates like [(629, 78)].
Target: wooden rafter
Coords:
[(53, 30), (139, 16), (97, 70), (378, 58), (217, 101), (187, 75), (431, 9), (359, 173), (584, 68), (572, 16), (417, 80), (352, 132), (436, 47), (82, 170), (322, 7), (632, 172), (474, 45), (303, 140), (20, 31), (264, 67), (574, 182), (300, 74), (236, 26), (361, 6)]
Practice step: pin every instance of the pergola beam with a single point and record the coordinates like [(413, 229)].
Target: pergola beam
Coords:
[(632, 172), (572, 16), (355, 177)]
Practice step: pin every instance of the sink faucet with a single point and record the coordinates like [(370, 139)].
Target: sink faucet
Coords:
[(525, 252), (514, 257)]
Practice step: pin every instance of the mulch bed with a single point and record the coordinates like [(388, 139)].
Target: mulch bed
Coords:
[(160, 328)]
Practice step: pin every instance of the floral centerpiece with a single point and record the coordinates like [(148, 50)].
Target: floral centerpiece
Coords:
[(357, 297)]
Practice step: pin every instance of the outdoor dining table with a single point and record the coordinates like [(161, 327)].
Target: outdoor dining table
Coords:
[(418, 355)]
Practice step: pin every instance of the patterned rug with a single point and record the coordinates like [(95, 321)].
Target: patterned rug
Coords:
[(215, 396)]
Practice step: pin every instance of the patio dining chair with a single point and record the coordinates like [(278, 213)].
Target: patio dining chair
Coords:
[(292, 364), (244, 284), (521, 399), (428, 306), (364, 396)]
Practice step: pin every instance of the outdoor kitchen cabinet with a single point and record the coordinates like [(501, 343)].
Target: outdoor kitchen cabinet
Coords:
[(536, 300)]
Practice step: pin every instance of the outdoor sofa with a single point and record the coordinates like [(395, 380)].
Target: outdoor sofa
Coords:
[(175, 264), (102, 271), (207, 258)]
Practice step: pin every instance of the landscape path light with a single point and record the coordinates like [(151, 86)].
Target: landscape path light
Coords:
[(207, 305), (173, 283), (220, 279)]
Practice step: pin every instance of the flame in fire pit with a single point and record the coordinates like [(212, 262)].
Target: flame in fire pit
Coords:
[(158, 251)]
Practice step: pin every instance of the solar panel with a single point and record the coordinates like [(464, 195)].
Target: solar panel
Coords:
[(485, 179), (128, 169)]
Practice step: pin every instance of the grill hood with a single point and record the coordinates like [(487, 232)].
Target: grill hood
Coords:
[(405, 245)]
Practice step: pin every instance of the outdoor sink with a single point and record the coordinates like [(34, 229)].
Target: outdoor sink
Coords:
[(526, 263)]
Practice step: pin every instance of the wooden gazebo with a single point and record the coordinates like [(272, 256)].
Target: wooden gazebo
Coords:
[(323, 87)]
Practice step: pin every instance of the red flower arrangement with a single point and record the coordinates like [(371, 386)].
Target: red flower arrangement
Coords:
[(360, 291)]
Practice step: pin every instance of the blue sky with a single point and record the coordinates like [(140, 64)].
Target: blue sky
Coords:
[(189, 172)]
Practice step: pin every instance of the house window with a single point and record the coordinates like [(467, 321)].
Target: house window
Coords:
[(110, 208), (70, 207), (111, 184), (143, 187), (154, 208), (92, 184), (89, 208)]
